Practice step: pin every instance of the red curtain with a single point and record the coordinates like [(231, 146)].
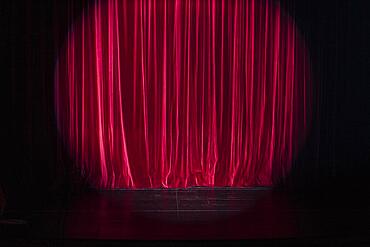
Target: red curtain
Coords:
[(183, 93)]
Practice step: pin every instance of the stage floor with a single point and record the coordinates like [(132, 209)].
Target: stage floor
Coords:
[(197, 214)]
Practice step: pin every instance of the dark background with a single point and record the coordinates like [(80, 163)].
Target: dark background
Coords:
[(336, 157)]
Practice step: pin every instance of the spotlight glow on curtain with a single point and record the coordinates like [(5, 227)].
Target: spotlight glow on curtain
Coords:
[(183, 93)]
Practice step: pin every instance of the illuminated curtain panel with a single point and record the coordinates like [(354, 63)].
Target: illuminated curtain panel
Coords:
[(183, 93)]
